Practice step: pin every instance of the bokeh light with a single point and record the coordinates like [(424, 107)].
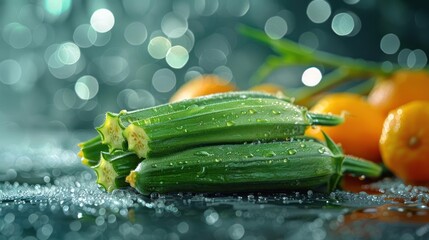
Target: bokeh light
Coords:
[(212, 58), (135, 99), (224, 72), (187, 40), (84, 36), (10, 71), (164, 80), (135, 33), (64, 99), (102, 20), (86, 87), (193, 72), (238, 8), (115, 69), (158, 47), (311, 77), (102, 39), (206, 7), (82, 56), (390, 43), (57, 7), (318, 11), (177, 57), (345, 24), (17, 35), (408, 58), (68, 53), (65, 63), (276, 27), (174, 25)]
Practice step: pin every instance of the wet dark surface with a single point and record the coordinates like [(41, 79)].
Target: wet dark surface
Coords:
[(47, 194)]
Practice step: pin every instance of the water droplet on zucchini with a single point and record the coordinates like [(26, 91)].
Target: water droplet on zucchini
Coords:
[(291, 151)]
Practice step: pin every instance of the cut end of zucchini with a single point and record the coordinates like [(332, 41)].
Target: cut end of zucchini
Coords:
[(111, 132), (106, 174), (131, 179), (137, 140)]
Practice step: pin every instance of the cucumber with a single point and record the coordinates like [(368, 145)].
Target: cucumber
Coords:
[(274, 166)]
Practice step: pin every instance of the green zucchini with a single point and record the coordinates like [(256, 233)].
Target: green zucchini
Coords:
[(274, 166), (111, 130), (113, 168), (90, 151), (235, 121)]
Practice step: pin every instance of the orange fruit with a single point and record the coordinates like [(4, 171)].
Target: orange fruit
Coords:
[(404, 142), (360, 133), (270, 88), (203, 85), (401, 87)]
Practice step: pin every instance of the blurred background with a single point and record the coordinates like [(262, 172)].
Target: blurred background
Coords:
[(64, 63)]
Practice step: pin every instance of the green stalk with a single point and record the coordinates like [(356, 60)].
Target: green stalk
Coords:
[(361, 167), (292, 53), (363, 88), (306, 55)]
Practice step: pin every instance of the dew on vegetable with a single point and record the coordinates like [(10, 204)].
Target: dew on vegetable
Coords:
[(230, 123), (275, 112), (269, 154), (252, 111), (321, 150), (262, 120), (291, 151)]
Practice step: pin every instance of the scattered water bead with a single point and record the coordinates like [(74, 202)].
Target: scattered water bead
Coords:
[(90, 211), (203, 153), (270, 154), (292, 151)]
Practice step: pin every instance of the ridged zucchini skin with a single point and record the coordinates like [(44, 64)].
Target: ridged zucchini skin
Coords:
[(111, 130), (234, 121), (90, 151), (113, 168), (275, 166)]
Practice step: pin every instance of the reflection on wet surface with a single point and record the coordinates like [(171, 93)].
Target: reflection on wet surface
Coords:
[(54, 196)]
